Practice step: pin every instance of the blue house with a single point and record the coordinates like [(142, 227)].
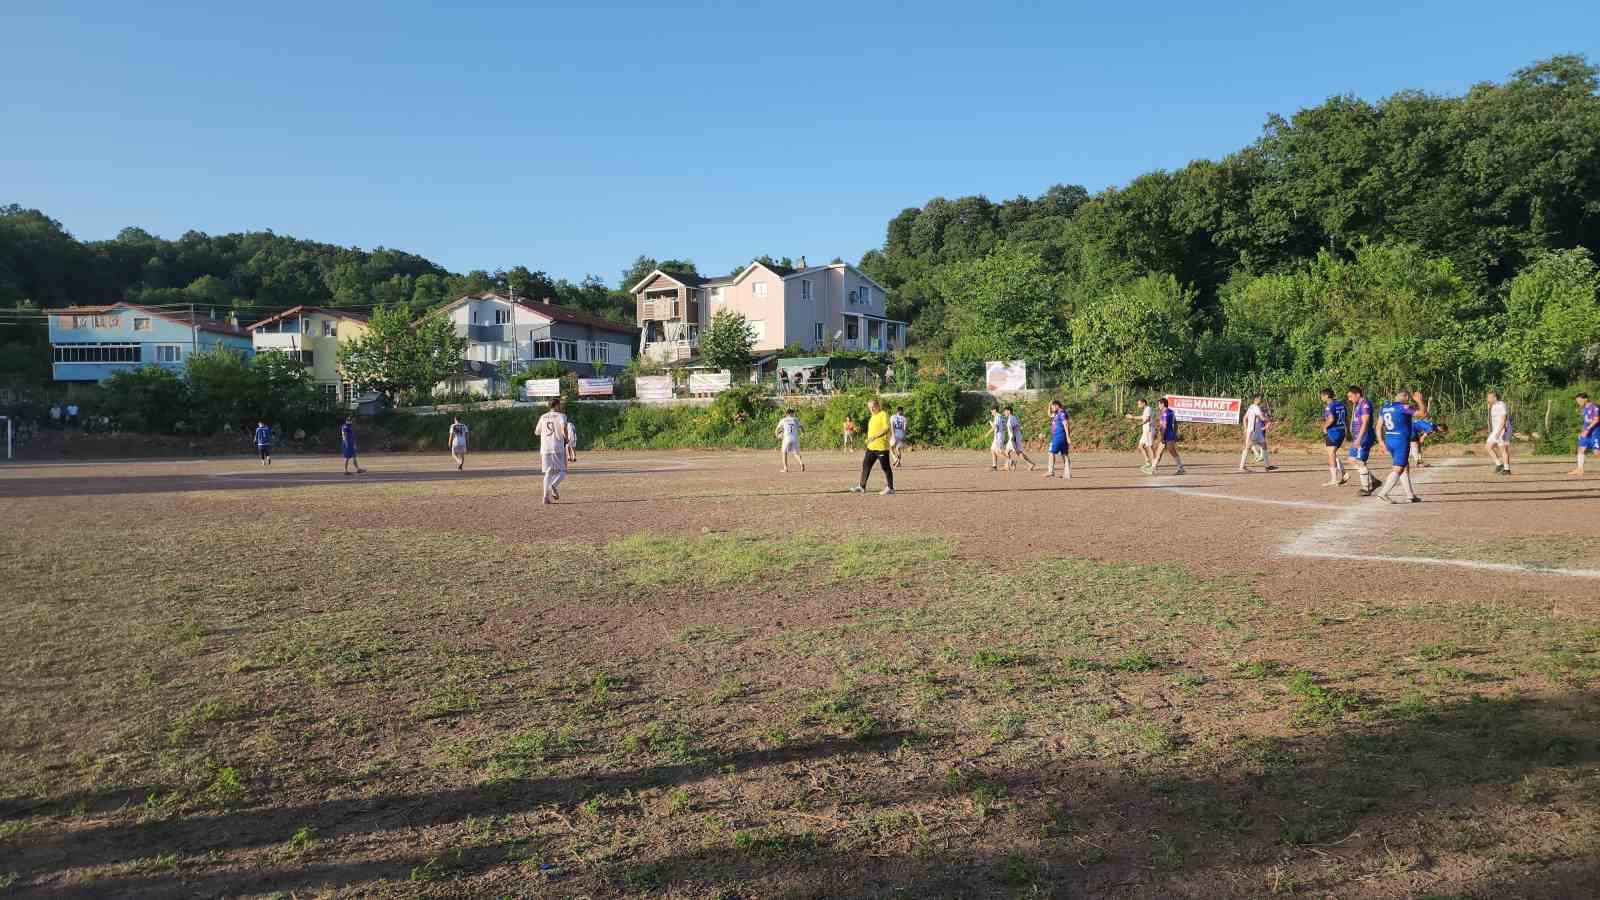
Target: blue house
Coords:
[(91, 342)]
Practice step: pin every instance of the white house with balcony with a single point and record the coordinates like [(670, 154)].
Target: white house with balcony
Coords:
[(505, 335), (835, 306)]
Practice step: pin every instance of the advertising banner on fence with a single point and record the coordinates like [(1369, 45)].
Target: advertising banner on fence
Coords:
[(653, 387), (1004, 377), (535, 388), (1206, 410), (596, 387), (710, 382)]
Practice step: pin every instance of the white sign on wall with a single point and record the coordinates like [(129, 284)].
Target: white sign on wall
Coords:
[(1005, 377), (710, 382), (541, 387), (653, 387)]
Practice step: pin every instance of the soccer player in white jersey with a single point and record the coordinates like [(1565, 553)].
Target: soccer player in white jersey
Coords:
[(458, 441), (1255, 434), (552, 430), (1014, 440), (999, 436), (1147, 435), (897, 436), (1499, 441), (788, 435)]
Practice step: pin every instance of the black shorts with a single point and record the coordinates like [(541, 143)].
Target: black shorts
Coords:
[(263, 452)]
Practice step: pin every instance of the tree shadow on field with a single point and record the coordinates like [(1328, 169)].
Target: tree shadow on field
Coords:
[(1392, 804), (264, 826)]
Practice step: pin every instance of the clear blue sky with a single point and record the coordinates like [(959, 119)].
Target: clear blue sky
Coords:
[(572, 139)]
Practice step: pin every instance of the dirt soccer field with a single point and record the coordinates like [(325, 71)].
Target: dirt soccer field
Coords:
[(696, 677)]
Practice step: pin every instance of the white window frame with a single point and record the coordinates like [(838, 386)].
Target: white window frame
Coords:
[(805, 289), (62, 354), (163, 351), (758, 327), (502, 316), (758, 288), (818, 334), (330, 328), (599, 351)]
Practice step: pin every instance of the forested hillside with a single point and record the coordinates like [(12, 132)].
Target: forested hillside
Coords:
[(259, 270), (1442, 237)]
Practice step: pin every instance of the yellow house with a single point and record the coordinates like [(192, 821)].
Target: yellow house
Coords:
[(313, 334)]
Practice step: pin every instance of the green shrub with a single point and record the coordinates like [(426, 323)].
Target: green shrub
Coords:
[(932, 411)]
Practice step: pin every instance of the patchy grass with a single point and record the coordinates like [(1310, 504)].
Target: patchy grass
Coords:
[(476, 708), (649, 559)]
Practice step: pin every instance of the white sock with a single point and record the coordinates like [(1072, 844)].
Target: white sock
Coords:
[(1388, 484), (1066, 464), (1410, 490)]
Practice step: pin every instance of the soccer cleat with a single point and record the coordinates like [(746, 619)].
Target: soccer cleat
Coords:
[(1182, 471), (886, 492), (1505, 471), (555, 494), (857, 489), (1343, 478), (1416, 499), (1333, 482), (1272, 468), (1147, 469)]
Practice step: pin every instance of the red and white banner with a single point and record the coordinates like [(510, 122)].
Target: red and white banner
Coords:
[(596, 387), (1206, 410), (653, 387)]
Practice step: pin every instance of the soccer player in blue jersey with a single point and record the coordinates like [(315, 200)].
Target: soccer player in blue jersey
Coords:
[(347, 446), (1166, 435), (1362, 435), (1335, 421), (1589, 436), (1395, 420), (1060, 440), (264, 443)]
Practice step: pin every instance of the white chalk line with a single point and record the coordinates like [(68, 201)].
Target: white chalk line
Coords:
[(1265, 501), (1318, 541)]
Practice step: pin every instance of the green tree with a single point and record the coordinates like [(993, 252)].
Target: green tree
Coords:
[(1006, 305), (283, 389), (1136, 335), (147, 399), (401, 356), (726, 342), (222, 390), (1552, 316)]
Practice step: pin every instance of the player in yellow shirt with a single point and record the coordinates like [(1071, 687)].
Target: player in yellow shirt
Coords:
[(878, 431)]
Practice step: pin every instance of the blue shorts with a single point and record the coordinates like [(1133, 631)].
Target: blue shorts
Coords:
[(1058, 445), (1421, 426), (1169, 437), (1361, 451), (349, 451), (1399, 451), (1333, 437), (1592, 442)]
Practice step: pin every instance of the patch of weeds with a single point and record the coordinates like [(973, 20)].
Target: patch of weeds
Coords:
[(601, 688), (1455, 673), (742, 558), (1135, 661), (1057, 822), (843, 709), (680, 801), (7, 879), (1411, 705), (1005, 726), (14, 827), (1570, 667), (1267, 755), (1257, 668), (984, 794), (1016, 870), (1437, 652), (1536, 788), (1000, 657), (204, 713), (728, 689), (518, 756), (224, 784), (1318, 705), (448, 702), (649, 878), (456, 754), (301, 841), (1188, 681), (771, 840), (1155, 740), (1168, 853), (667, 739)]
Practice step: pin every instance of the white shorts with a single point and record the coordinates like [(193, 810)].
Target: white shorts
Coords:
[(1013, 445), (998, 445), (1499, 441), (553, 462), (791, 446), (459, 447), (896, 442), (1147, 440)]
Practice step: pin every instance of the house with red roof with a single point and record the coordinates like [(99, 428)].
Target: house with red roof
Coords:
[(92, 342)]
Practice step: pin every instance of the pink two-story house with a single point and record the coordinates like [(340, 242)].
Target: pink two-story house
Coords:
[(817, 308)]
